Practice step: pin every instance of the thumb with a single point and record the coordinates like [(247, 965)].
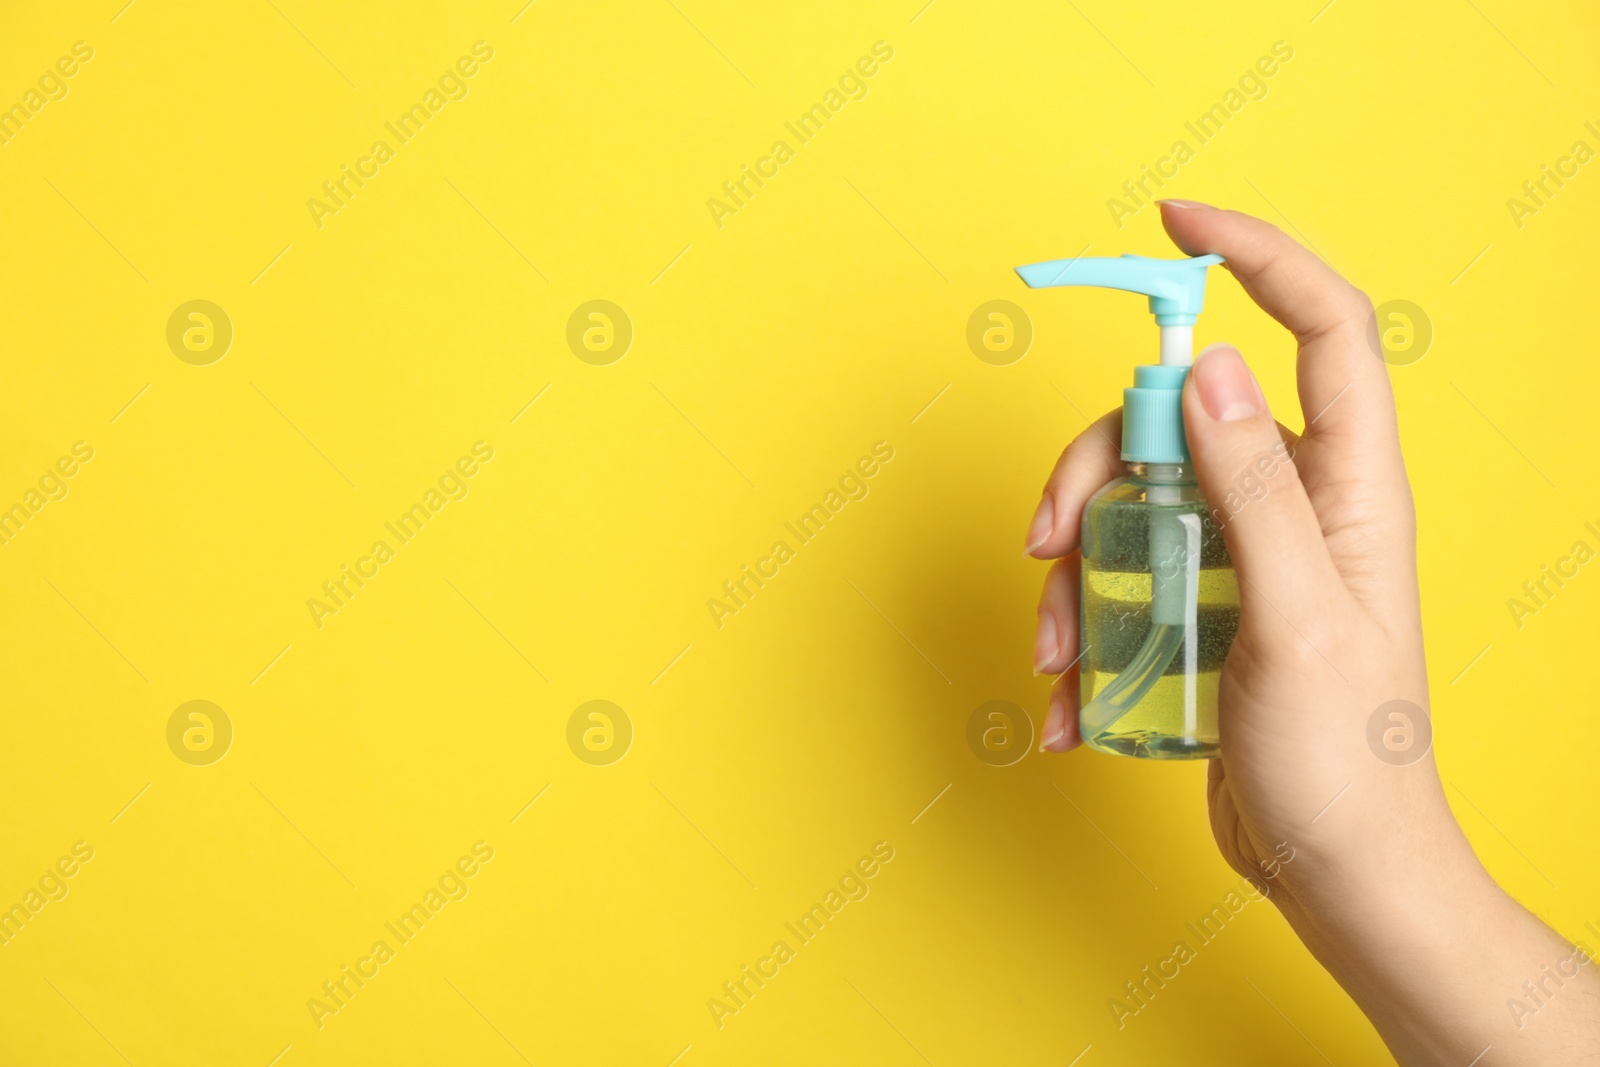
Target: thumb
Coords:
[(1251, 486)]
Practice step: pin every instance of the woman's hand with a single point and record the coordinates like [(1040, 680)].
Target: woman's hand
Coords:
[(1322, 534)]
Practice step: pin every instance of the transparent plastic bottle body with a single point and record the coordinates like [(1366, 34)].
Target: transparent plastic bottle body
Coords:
[(1160, 609)]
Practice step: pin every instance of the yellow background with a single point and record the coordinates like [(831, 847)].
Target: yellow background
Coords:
[(771, 353)]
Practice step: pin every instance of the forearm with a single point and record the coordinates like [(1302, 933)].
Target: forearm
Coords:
[(1448, 967)]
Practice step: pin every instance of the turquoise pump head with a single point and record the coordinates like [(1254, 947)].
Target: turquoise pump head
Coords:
[(1152, 410)]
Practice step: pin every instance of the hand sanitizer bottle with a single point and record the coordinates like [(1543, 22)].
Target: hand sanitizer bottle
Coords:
[(1160, 599)]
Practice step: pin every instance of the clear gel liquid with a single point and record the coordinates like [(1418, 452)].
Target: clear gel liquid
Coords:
[(1169, 711)]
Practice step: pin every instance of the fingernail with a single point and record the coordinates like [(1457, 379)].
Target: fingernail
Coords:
[(1044, 520), (1228, 391), (1046, 642), (1185, 204), (1055, 725)]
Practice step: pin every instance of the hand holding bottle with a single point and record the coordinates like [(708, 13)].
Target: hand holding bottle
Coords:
[(1384, 887)]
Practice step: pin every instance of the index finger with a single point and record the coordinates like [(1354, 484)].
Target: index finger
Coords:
[(1344, 387)]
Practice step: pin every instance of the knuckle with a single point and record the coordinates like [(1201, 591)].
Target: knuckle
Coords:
[(1360, 303), (1358, 310), (1256, 473)]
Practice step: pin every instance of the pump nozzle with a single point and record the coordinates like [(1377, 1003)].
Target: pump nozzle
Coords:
[(1176, 288), (1152, 418)]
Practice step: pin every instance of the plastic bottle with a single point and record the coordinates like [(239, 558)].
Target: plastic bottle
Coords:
[(1160, 599)]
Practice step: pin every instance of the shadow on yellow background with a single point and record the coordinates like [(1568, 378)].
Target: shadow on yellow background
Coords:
[(395, 746)]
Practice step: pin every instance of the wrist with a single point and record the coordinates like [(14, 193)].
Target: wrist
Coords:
[(1391, 843), (1411, 925), (1377, 898)]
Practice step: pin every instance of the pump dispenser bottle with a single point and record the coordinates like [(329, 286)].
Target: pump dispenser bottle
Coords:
[(1160, 599)]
